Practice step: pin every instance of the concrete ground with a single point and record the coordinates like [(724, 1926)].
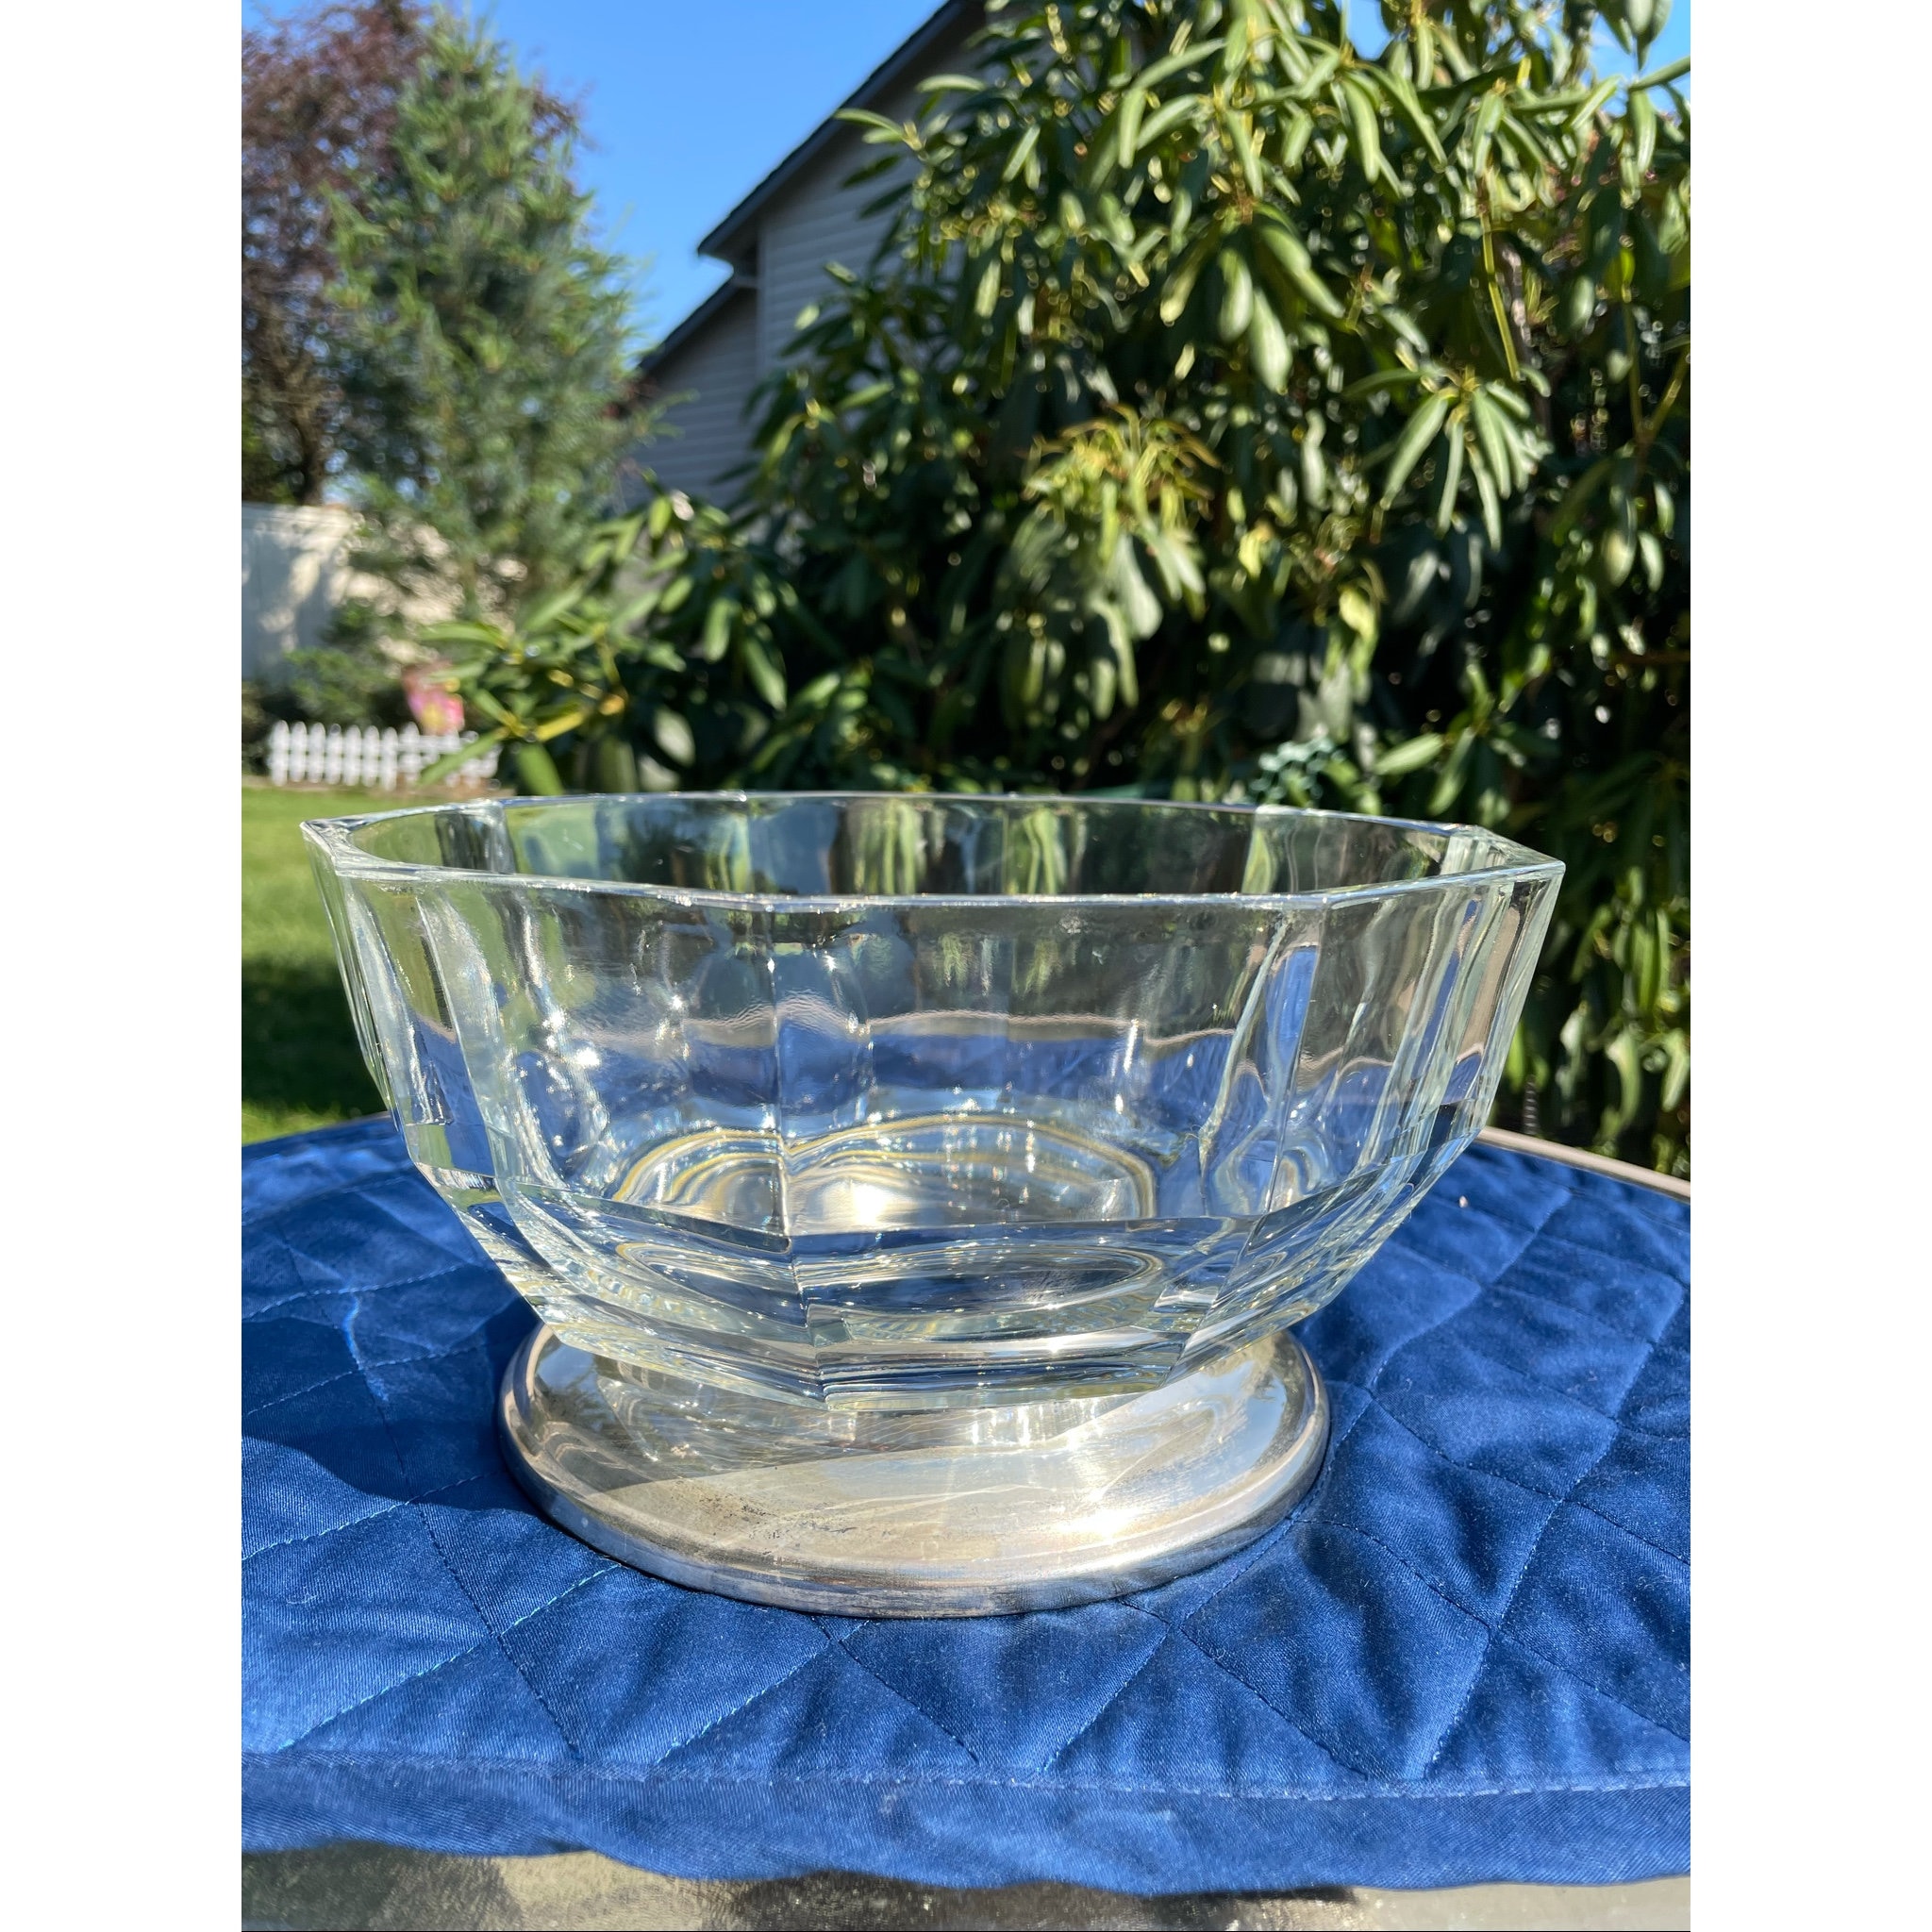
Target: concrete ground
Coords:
[(363, 1886)]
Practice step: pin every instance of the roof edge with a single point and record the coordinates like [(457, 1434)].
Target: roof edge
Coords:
[(950, 17), (721, 298)]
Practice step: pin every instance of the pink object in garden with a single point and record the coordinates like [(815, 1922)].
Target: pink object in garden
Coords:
[(433, 702)]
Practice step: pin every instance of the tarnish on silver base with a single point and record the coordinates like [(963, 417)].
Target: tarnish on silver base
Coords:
[(942, 1513)]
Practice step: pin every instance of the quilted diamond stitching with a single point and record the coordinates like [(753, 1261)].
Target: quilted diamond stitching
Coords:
[(1529, 1489), (283, 1542), (1575, 1676), (266, 1217), (1502, 1615), (436, 1541), (737, 1710), (1616, 1418), (1176, 1633), (1287, 1717), (398, 1361), (895, 1692), (1492, 1630), (1257, 1553), (455, 1656), (1313, 1504), (383, 1287), (1509, 1291), (1051, 1627), (1120, 1689), (1502, 1287)]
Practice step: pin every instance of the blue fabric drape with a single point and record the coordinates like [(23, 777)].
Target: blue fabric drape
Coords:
[(1463, 1658)]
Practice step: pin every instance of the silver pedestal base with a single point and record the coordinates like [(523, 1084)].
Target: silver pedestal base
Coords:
[(942, 1513)]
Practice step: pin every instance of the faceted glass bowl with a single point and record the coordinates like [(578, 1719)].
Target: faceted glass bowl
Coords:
[(839, 1141)]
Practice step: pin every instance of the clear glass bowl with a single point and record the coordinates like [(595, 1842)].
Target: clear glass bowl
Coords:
[(839, 1141)]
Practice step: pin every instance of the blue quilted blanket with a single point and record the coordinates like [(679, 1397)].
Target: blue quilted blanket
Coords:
[(1463, 1658)]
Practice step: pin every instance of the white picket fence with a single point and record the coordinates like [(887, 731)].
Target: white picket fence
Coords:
[(308, 754)]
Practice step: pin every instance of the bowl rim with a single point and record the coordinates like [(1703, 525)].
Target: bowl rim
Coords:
[(333, 838)]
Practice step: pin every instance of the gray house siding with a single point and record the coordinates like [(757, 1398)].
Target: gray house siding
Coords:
[(713, 372), (780, 242), (818, 222)]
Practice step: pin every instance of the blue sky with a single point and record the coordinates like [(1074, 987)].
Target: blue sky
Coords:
[(690, 103)]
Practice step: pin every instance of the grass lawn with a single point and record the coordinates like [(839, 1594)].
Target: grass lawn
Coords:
[(300, 1064)]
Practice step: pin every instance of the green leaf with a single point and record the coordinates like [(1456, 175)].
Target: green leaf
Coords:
[(1492, 436), (465, 631), (1449, 479), (1358, 610), (673, 737), (1363, 122), (1676, 1070), (767, 680), (881, 128), (1179, 572), (1022, 152), (1237, 296), (1151, 75), (1410, 755), (1643, 130), (1103, 679), (1489, 117), (1411, 110), (1236, 50), (546, 610), (628, 616), (451, 762), (1267, 345), (1586, 109), (486, 703), (566, 720), (1384, 379), (1327, 61), (1181, 279), (1449, 780), (614, 764), (1662, 76), (1301, 129), (1623, 1054), (1140, 606), (715, 638), (1157, 123), (1619, 544), (537, 772), (1486, 495), (1530, 148), (1285, 248), (1236, 129), (1410, 445)]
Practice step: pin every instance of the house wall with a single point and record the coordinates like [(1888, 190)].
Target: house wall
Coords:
[(816, 223), (292, 565), (295, 570), (715, 372), (815, 220)]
